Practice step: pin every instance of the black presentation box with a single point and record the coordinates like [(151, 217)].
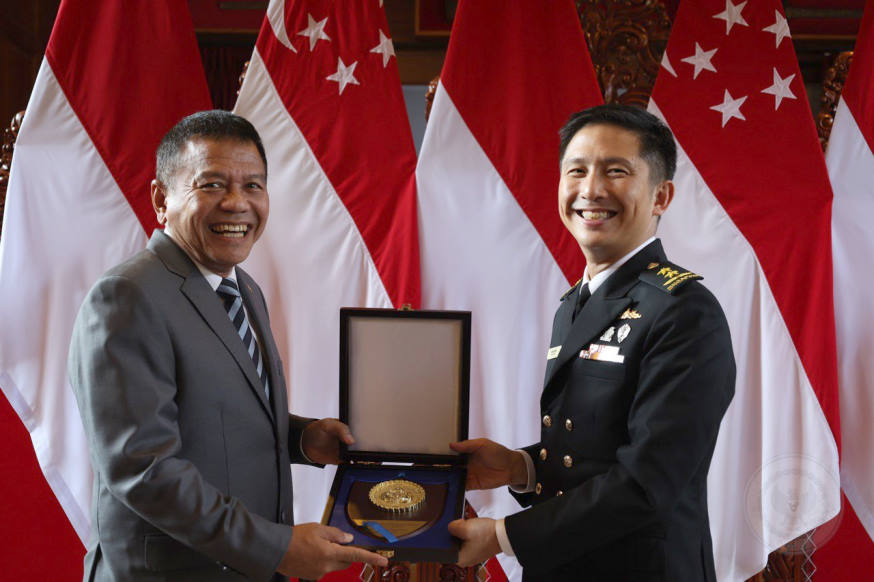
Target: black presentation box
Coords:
[(404, 385)]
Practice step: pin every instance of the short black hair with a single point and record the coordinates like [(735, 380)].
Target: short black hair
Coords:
[(214, 124), (657, 145)]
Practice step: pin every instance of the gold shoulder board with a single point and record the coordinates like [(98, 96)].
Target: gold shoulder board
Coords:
[(667, 276)]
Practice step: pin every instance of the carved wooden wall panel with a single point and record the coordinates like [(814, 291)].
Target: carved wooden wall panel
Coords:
[(833, 84), (626, 39), (10, 134)]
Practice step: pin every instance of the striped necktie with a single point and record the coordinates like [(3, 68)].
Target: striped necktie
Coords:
[(230, 295)]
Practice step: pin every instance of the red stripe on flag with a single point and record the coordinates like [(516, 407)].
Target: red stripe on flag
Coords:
[(847, 555), (358, 130), (767, 170), (858, 91), (38, 541), (511, 56), (126, 85)]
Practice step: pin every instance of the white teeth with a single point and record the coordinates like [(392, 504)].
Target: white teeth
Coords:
[(231, 230), (592, 215)]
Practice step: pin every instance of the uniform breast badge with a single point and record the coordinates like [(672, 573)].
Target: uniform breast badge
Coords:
[(623, 332), (397, 495), (630, 314)]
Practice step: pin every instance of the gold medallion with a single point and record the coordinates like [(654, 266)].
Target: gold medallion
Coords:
[(397, 495)]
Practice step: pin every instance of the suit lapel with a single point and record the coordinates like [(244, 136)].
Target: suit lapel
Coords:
[(603, 307), (207, 303), (560, 328), (261, 322), (596, 315)]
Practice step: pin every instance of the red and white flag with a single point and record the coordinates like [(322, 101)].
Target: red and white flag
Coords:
[(115, 77), (491, 238), (850, 164), (324, 92), (752, 214)]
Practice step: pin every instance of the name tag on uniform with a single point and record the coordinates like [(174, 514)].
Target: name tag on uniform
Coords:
[(553, 352), (602, 353)]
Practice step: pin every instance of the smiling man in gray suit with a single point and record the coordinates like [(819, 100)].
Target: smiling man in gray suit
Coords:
[(182, 392)]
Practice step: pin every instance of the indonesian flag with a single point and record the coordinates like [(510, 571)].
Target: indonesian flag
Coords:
[(851, 166), (752, 214), (115, 77), (324, 92), (491, 238)]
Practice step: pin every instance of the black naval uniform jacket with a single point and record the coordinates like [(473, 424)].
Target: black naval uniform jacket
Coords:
[(635, 389)]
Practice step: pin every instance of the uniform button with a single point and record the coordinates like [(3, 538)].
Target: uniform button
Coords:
[(559, 492), (538, 488), (542, 454), (569, 424), (547, 421), (567, 460)]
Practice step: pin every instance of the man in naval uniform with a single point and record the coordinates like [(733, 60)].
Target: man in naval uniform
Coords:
[(639, 373)]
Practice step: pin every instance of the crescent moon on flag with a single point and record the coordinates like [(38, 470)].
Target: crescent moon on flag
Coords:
[(276, 17)]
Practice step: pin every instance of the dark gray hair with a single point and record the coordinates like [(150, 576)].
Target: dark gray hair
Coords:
[(215, 124)]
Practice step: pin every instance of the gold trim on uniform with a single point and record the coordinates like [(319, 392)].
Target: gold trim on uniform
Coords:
[(630, 314)]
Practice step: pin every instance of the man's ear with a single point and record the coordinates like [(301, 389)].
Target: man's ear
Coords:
[(664, 193), (159, 201)]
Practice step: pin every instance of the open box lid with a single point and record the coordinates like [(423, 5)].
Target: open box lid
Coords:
[(404, 384)]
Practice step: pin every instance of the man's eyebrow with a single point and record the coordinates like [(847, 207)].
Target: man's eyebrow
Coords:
[(617, 160), (604, 161), (208, 174), (572, 161), (211, 174)]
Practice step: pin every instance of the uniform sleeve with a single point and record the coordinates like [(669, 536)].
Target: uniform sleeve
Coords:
[(686, 382), (123, 373)]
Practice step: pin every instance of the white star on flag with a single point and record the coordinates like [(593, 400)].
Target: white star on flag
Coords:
[(780, 28), (344, 197), (344, 75), (315, 31), (780, 89), (730, 108), (667, 64), (779, 305), (701, 60), (732, 15), (385, 48)]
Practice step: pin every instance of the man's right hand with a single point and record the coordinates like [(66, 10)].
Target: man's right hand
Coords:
[(316, 549), (492, 465)]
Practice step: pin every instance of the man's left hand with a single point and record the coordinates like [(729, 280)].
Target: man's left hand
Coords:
[(321, 440), (479, 541)]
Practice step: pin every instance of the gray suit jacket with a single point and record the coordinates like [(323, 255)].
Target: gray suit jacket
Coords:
[(191, 461)]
